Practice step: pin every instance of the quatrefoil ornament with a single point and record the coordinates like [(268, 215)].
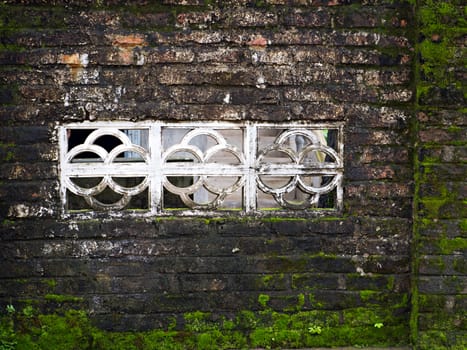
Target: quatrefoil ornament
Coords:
[(105, 165), (199, 164), (308, 167)]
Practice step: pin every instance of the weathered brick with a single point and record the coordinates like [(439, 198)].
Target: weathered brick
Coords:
[(444, 208), (373, 16), (443, 154), (379, 190), (447, 321), (147, 20), (28, 171), (378, 172), (315, 18), (443, 96), (275, 61), (40, 38), (443, 135), (432, 189), (28, 191), (442, 264), (435, 302), (443, 245), (377, 137), (442, 117), (385, 227), (250, 18), (442, 284), (313, 281), (449, 228), (368, 154), (444, 172)]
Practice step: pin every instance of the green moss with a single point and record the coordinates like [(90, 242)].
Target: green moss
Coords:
[(454, 128), (15, 17), (390, 284), (437, 262), (301, 301), (432, 206), (263, 300), (8, 222), (433, 340), (51, 283), (269, 281), (440, 23), (282, 219), (197, 321), (450, 245), (463, 225), (460, 265), (367, 295), (61, 298), (267, 328)]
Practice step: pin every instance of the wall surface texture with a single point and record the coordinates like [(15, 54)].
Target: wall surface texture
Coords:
[(387, 269), (440, 176)]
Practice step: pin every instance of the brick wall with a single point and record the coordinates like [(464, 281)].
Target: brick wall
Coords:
[(323, 61), (441, 178)]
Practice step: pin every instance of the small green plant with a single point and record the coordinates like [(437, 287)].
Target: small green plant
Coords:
[(314, 329), (263, 299), (10, 309), (28, 311), (378, 325), (7, 331)]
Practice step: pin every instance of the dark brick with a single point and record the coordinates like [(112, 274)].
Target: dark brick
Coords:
[(147, 20), (25, 135), (442, 264), (277, 61), (443, 96), (442, 284), (435, 302), (26, 171), (299, 18), (378, 172), (313, 281)]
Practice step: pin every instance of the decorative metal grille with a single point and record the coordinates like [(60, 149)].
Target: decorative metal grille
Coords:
[(154, 168)]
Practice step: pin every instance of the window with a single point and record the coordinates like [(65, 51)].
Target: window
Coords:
[(157, 168)]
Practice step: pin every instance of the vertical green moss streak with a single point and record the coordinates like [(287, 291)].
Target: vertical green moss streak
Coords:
[(415, 202), (439, 24)]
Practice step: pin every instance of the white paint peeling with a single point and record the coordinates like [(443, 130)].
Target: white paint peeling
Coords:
[(54, 248), (255, 57), (19, 211), (119, 91), (84, 59), (377, 38), (227, 98), (73, 226), (66, 100), (260, 82), (140, 59)]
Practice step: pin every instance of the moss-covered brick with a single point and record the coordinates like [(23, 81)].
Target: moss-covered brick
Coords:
[(9, 95), (16, 17), (386, 270)]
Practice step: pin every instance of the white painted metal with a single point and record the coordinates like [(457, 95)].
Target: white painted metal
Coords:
[(292, 151)]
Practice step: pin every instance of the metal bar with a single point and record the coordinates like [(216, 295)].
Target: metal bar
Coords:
[(155, 162), (250, 146)]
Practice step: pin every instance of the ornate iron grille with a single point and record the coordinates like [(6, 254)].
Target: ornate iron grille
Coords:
[(157, 168)]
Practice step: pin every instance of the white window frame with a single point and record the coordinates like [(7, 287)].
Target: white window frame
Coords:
[(155, 170)]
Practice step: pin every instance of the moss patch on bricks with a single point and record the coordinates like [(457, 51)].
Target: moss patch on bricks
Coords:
[(68, 328)]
